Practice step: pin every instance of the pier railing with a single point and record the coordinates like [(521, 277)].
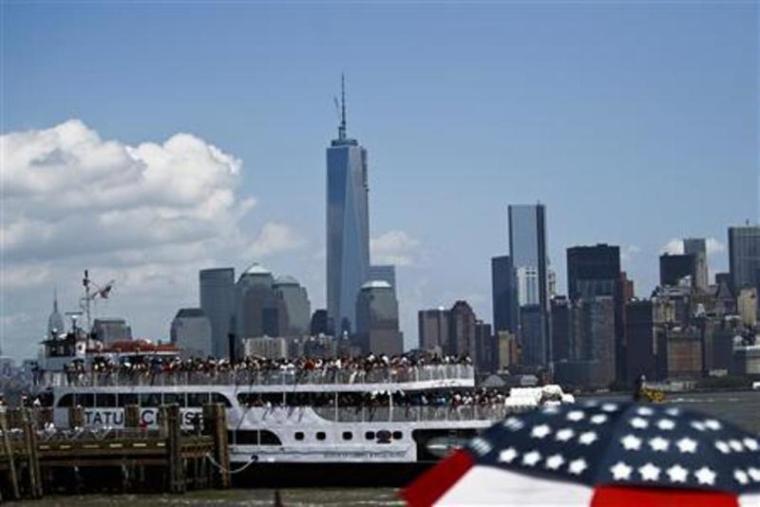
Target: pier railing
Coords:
[(413, 413), (286, 377)]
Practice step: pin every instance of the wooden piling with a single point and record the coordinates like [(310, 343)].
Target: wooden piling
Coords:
[(8, 449), (32, 454), (215, 424), (76, 417), (171, 420)]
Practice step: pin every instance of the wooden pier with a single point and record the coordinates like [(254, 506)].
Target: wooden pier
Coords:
[(35, 460)]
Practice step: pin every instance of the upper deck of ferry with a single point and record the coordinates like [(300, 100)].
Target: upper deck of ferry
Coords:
[(408, 377)]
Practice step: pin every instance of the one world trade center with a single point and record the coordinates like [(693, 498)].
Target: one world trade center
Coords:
[(347, 225)]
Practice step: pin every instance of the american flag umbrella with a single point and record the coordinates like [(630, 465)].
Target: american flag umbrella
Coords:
[(599, 454)]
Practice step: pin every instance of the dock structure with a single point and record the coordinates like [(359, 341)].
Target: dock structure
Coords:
[(36, 459)]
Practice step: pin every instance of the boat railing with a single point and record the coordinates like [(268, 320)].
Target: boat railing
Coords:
[(288, 377), (413, 413)]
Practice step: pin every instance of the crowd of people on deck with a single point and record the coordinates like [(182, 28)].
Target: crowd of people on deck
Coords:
[(351, 369)]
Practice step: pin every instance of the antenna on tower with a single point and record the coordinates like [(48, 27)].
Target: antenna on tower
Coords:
[(342, 127)]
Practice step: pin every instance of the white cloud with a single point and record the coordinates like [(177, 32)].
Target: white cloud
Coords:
[(673, 247), (276, 238), (628, 252), (714, 246), (147, 216), (394, 247)]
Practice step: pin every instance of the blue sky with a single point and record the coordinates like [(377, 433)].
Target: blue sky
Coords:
[(635, 123)]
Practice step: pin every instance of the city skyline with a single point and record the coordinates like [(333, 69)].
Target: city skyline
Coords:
[(438, 205)]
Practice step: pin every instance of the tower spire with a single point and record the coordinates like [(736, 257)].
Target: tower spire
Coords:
[(342, 127)]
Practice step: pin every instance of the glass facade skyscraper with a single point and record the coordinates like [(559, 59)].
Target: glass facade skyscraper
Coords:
[(744, 256), (217, 292), (347, 228), (527, 248)]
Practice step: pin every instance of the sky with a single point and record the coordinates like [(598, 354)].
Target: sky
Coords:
[(147, 140)]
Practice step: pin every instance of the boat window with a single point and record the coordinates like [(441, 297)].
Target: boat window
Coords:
[(370, 435), (126, 399), (67, 400), (321, 435), (105, 400), (299, 435), (172, 398), (397, 435), (253, 437), (347, 435), (220, 398), (150, 399), (197, 399), (84, 399)]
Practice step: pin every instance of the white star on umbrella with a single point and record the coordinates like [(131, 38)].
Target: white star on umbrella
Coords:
[(531, 458), (638, 422), (513, 423), (554, 462), (577, 466), (698, 425), (659, 444), (686, 444), (644, 411), (609, 407), (673, 411), (736, 445), (649, 472), (564, 434), (751, 444), (677, 473), (598, 419), (666, 424), (705, 476), (741, 476), (754, 473), (722, 446), (508, 455), (631, 442), (587, 438), (540, 431), (621, 471), (575, 415), (713, 424)]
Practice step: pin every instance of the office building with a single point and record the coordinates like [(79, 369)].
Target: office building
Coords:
[(347, 226), (744, 256), (384, 272), (191, 333), (462, 322), (297, 305), (561, 328), (592, 271), (111, 330), (217, 298), (746, 304), (527, 249), (486, 352), (259, 310), (641, 344), (269, 347), (433, 329), (320, 323), (377, 328), (697, 247), (504, 294), (675, 268)]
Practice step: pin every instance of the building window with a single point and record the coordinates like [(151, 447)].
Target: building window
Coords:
[(397, 435), (370, 435), (347, 435), (299, 435), (321, 435)]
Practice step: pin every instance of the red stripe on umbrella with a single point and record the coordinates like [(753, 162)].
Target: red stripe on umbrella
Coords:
[(431, 485), (616, 496)]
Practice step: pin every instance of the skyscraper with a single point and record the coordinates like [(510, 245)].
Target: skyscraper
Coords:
[(462, 322), (698, 248), (55, 321), (377, 319), (384, 272), (674, 268), (217, 291), (527, 248), (744, 256), (191, 332), (347, 225), (504, 294), (433, 328), (297, 305)]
